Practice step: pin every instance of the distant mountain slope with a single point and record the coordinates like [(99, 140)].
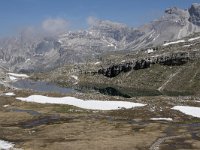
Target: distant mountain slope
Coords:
[(35, 53), (172, 68)]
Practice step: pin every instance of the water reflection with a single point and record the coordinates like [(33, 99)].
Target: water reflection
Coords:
[(41, 86), (128, 92)]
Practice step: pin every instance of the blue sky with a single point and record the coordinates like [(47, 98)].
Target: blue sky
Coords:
[(18, 14)]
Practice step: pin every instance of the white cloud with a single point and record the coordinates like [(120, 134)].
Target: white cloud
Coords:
[(55, 26), (48, 27), (92, 20)]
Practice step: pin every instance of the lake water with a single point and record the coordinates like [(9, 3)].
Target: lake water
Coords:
[(128, 92), (103, 89), (40, 86)]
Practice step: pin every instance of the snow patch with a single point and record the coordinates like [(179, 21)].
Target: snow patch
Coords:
[(60, 41), (150, 51), (150, 36), (175, 42), (188, 110), (13, 78), (193, 39), (85, 104), (96, 63), (187, 45), (18, 75), (156, 37), (4, 145), (75, 77), (109, 43), (166, 119), (27, 60), (10, 94)]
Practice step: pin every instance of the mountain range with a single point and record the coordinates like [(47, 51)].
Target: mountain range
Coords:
[(25, 53)]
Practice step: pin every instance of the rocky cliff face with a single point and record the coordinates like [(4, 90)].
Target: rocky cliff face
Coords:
[(174, 24), (174, 59), (195, 14), (29, 54)]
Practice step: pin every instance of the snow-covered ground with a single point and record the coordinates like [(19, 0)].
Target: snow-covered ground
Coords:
[(4, 145), (188, 110), (175, 42), (166, 119), (85, 104)]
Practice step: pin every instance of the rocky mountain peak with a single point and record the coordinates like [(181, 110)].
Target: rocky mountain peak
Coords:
[(102, 36), (175, 11), (109, 29), (99, 24), (194, 11), (195, 5)]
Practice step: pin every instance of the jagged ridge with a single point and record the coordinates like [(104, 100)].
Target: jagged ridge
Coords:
[(31, 54)]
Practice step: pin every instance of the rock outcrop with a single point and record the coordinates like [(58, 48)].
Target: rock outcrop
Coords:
[(175, 59)]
